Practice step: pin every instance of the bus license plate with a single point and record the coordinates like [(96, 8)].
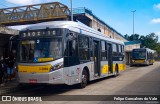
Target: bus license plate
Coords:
[(32, 80)]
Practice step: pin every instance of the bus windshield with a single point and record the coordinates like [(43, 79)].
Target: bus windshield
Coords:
[(139, 54), (40, 50)]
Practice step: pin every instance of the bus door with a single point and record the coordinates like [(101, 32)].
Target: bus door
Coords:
[(71, 50), (110, 62), (96, 58)]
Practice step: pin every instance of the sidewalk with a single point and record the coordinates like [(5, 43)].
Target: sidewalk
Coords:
[(9, 87)]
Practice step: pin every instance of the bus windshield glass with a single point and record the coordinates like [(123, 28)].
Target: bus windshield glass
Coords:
[(40, 50), (139, 54)]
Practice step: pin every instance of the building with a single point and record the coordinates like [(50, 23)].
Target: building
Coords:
[(86, 16)]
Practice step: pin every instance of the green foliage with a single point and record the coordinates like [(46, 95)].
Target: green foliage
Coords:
[(133, 37), (149, 41)]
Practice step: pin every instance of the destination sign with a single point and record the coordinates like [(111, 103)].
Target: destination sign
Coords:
[(40, 33)]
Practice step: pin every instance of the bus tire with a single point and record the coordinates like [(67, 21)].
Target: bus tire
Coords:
[(116, 72), (84, 79)]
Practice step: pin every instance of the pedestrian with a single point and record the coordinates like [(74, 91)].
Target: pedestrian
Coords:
[(2, 71), (10, 67)]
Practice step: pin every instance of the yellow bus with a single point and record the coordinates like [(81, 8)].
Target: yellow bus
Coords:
[(142, 56)]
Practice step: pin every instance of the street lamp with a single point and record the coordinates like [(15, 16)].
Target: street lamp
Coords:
[(133, 20), (71, 11)]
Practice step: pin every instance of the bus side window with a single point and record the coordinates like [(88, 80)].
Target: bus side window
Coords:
[(115, 50), (91, 49), (150, 55), (147, 55), (83, 47), (122, 46), (121, 50), (103, 51), (71, 46), (71, 50)]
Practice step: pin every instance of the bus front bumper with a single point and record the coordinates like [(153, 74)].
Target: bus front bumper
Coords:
[(55, 77), (139, 62)]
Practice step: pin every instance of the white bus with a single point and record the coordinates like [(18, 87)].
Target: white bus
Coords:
[(67, 52)]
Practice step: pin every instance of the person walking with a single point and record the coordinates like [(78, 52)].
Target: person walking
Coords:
[(10, 67), (2, 71)]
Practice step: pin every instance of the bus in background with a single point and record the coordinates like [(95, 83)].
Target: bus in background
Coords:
[(67, 52), (142, 56)]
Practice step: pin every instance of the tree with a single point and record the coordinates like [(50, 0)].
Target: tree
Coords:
[(133, 37), (127, 36), (149, 41), (157, 48)]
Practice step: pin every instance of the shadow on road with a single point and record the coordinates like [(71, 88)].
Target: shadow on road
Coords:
[(47, 90), (140, 66)]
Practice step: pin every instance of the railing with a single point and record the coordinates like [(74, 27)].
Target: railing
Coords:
[(33, 13)]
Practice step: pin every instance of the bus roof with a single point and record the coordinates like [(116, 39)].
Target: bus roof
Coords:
[(74, 26)]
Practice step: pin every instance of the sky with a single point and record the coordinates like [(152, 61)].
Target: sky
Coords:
[(116, 13)]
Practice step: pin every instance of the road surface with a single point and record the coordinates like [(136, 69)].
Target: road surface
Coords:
[(140, 80)]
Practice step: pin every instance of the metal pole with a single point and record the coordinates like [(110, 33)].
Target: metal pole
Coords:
[(71, 11), (133, 20)]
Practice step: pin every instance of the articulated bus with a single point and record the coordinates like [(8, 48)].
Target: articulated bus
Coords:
[(142, 56), (67, 52)]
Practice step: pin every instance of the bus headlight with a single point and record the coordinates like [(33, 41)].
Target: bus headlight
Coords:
[(57, 66)]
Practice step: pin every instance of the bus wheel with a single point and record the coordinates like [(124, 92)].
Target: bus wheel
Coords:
[(116, 71), (84, 79)]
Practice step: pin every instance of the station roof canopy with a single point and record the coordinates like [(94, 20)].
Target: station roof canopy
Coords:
[(30, 14), (132, 42)]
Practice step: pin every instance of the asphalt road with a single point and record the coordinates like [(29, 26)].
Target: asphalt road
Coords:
[(140, 80)]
